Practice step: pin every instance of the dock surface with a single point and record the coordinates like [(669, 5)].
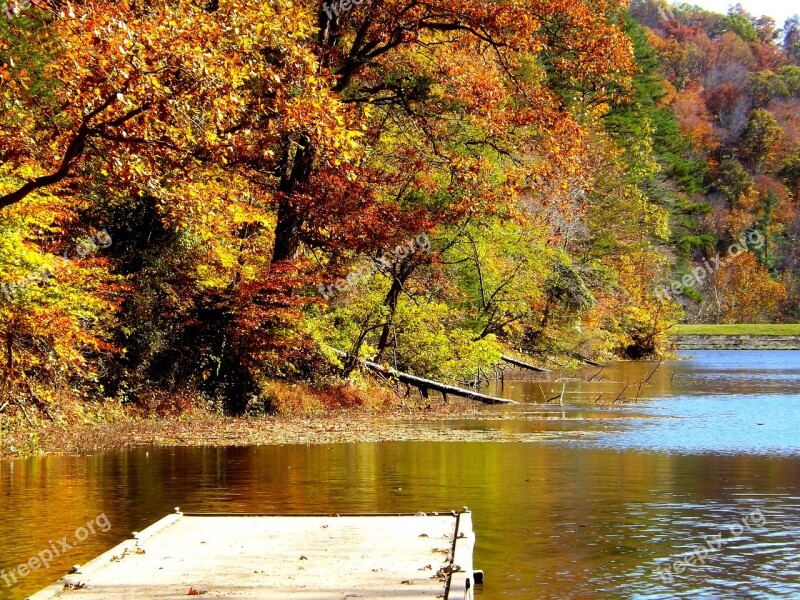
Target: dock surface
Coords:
[(283, 557)]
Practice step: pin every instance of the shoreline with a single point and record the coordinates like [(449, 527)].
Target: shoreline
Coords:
[(209, 429), (736, 342), (338, 427)]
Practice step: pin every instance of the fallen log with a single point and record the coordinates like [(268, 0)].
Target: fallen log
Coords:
[(425, 385), (588, 361), (524, 365)]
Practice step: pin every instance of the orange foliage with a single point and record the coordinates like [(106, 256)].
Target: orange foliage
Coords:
[(784, 211), (744, 292), (299, 399), (694, 119)]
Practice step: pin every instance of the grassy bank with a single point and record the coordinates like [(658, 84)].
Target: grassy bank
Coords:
[(792, 329)]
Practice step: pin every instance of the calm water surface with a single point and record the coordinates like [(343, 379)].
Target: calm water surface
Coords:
[(647, 471)]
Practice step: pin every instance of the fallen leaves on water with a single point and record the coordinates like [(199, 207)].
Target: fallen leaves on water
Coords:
[(347, 426)]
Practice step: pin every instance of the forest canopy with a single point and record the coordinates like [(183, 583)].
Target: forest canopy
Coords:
[(211, 198)]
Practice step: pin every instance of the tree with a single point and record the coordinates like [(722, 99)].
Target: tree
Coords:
[(757, 143), (57, 308), (765, 254), (791, 38), (765, 86), (739, 24), (743, 292), (790, 174), (735, 182)]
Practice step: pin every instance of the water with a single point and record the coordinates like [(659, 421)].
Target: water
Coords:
[(709, 449)]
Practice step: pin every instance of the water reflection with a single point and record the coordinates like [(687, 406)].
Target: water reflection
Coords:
[(577, 519)]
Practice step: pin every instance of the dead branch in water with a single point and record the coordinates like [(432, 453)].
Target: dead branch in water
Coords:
[(658, 366), (524, 365), (620, 394), (588, 361), (603, 368), (425, 385)]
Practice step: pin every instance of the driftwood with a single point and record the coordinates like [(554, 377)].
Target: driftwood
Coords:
[(588, 361), (658, 366), (524, 365), (603, 368), (424, 385)]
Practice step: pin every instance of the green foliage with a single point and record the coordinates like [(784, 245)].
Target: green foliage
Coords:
[(767, 228), (689, 243), (759, 138), (57, 314), (790, 173), (738, 24), (766, 86), (790, 77), (735, 182)]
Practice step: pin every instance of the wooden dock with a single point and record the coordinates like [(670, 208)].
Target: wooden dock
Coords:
[(303, 557)]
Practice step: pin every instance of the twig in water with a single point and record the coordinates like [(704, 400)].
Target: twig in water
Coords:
[(658, 366), (603, 368), (620, 394)]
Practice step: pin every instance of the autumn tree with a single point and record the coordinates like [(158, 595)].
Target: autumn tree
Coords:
[(758, 140), (57, 308), (791, 38), (742, 291), (790, 174)]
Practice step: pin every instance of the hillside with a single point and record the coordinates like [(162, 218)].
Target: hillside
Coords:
[(732, 84)]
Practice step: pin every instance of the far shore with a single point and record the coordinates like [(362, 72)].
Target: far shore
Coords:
[(791, 329)]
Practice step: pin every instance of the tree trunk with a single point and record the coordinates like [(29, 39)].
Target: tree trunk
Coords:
[(425, 385), (391, 303), (287, 232), (294, 170)]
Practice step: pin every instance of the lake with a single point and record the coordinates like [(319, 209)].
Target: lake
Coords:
[(679, 480)]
